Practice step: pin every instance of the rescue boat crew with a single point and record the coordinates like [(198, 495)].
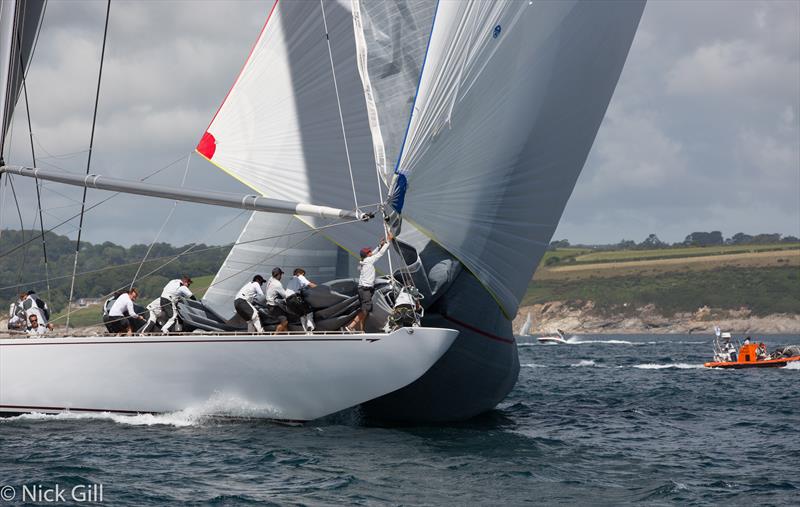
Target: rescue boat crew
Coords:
[(169, 296), (366, 282), (243, 304), (275, 291)]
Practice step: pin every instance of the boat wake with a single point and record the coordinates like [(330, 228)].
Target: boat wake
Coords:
[(574, 340), (533, 365), (792, 366), (585, 362), (679, 366), (216, 407)]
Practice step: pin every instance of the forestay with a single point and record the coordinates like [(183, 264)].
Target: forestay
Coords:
[(510, 98)]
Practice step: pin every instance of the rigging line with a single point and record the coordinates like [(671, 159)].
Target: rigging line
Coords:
[(166, 220), (36, 180), (88, 161), (192, 251), (339, 104), (22, 230)]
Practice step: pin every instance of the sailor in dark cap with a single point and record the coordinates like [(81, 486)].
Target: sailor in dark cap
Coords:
[(244, 303), (274, 293)]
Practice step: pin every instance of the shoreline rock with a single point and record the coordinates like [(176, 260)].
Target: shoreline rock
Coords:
[(583, 318)]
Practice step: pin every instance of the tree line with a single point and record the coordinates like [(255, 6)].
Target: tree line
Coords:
[(713, 238), (102, 268)]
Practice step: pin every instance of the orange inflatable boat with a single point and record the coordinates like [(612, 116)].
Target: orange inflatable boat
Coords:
[(749, 355)]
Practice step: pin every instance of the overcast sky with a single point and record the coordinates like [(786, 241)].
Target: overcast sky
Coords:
[(703, 131)]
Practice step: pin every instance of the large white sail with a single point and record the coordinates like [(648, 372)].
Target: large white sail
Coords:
[(509, 101), (19, 23), (279, 129)]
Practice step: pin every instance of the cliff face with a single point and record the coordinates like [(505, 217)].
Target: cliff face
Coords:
[(581, 317)]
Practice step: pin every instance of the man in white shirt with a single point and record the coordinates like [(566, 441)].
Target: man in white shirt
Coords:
[(174, 290), (295, 298), (35, 306), (276, 292), (243, 304), (36, 328), (366, 282), (122, 316)]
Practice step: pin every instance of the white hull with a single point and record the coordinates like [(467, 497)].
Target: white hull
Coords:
[(282, 377), (551, 339)]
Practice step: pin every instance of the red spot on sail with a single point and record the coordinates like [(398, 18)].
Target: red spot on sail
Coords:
[(207, 145)]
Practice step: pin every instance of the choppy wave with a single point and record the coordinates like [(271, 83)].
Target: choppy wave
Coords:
[(680, 366), (533, 365), (585, 362)]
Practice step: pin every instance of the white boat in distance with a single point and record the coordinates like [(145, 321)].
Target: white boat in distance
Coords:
[(560, 338)]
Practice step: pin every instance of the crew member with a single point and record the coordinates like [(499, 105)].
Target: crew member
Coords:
[(175, 289), (16, 314), (295, 298), (36, 328), (122, 316), (243, 304), (366, 282), (275, 291), (35, 306)]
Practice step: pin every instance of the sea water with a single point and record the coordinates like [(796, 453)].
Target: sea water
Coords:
[(603, 420)]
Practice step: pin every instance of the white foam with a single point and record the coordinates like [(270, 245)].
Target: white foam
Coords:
[(794, 365), (533, 365), (217, 405), (680, 366), (574, 340), (585, 362)]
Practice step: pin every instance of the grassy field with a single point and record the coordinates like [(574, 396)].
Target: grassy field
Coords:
[(764, 278), (588, 256)]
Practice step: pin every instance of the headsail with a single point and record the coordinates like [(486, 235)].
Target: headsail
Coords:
[(509, 101), (279, 131), (19, 23)]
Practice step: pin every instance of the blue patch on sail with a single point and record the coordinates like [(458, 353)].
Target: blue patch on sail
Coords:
[(398, 197), (497, 31)]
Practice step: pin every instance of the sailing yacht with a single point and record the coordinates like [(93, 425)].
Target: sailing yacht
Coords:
[(466, 122)]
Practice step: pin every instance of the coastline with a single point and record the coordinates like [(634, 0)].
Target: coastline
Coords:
[(583, 318)]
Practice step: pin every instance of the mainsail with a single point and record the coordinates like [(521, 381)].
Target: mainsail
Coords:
[(19, 22), (510, 98)]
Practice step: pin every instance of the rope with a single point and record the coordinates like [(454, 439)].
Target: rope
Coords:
[(88, 161), (339, 104), (37, 183), (166, 220), (22, 230)]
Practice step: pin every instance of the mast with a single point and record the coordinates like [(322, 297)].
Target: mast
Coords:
[(247, 202)]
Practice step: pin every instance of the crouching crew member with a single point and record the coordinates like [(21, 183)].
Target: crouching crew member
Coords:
[(275, 292), (169, 297), (243, 304), (122, 316), (295, 298)]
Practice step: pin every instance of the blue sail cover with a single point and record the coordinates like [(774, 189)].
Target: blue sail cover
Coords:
[(509, 100)]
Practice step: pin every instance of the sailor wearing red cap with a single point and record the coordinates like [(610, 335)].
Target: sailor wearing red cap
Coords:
[(366, 281)]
